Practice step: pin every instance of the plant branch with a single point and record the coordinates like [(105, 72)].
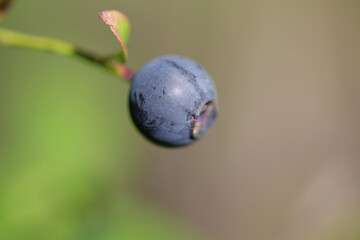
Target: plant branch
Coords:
[(111, 64)]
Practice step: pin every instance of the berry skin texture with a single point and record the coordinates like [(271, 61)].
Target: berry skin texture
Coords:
[(173, 101)]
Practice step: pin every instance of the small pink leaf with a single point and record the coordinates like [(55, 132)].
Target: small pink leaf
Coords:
[(120, 26)]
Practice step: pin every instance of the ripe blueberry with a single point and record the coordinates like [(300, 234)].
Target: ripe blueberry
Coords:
[(173, 101)]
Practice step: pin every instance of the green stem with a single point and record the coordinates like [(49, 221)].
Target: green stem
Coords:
[(52, 45), (37, 43)]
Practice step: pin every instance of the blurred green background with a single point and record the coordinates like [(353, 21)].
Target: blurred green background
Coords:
[(282, 162)]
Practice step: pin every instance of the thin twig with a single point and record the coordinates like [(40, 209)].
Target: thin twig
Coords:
[(111, 64)]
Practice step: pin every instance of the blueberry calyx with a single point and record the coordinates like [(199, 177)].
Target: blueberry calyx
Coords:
[(205, 120)]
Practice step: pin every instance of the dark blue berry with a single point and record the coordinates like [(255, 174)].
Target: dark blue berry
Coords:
[(173, 101)]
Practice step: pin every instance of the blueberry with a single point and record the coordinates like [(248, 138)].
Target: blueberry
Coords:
[(173, 101)]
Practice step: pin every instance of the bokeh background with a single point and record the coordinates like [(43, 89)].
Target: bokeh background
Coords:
[(282, 161)]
